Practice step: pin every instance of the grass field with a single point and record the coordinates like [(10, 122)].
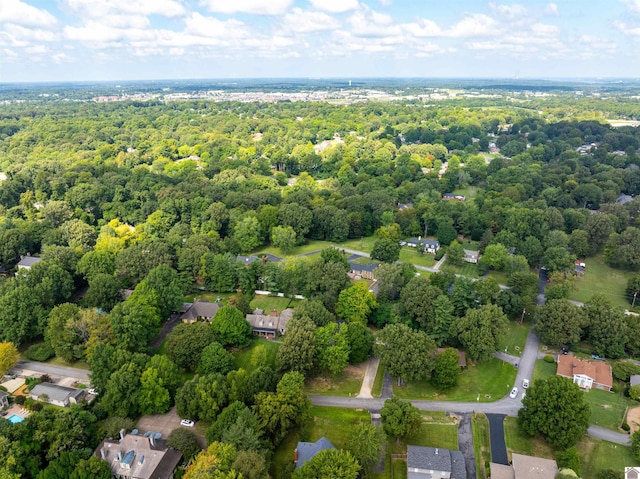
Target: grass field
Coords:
[(481, 441), (376, 389), (348, 383), (544, 370), (411, 255), (467, 269), (311, 246), (268, 303), (500, 276), (491, 380), (607, 408), (514, 338), (520, 443), (56, 361), (596, 455), (242, 358), (437, 430), (600, 278), (363, 244), (208, 296), (283, 455)]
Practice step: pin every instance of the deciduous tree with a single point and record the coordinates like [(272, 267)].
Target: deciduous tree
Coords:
[(399, 418), (406, 354), (356, 303)]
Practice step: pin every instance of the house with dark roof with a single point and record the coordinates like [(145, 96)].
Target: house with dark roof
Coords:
[(247, 260), (471, 256), (428, 245), (56, 394), (305, 451), (363, 270), (4, 399), (585, 374), (136, 456), (271, 325), (201, 309), (434, 463), (26, 262)]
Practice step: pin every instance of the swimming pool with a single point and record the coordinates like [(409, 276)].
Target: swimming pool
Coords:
[(14, 418)]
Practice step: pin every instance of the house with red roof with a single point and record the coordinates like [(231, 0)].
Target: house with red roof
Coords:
[(585, 374)]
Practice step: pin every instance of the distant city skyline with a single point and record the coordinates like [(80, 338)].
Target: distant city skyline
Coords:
[(119, 40)]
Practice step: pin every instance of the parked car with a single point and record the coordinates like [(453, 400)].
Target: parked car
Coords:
[(597, 358), (187, 423), (525, 383), (514, 393), (93, 391)]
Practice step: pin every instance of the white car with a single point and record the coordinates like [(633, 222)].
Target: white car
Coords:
[(525, 383), (514, 393), (93, 391), (187, 423)]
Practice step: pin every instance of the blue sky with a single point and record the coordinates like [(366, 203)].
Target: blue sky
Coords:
[(67, 40)]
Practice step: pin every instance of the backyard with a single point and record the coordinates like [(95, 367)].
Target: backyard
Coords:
[(242, 357), (608, 409), (347, 383), (512, 341), (484, 382), (310, 247), (269, 303), (521, 443), (600, 278), (466, 269), (596, 455)]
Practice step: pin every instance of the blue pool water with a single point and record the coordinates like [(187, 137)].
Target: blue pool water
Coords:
[(14, 418)]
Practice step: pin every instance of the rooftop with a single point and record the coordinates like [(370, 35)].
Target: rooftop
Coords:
[(600, 372), (421, 460), (55, 392), (528, 467), (28, 261), (307, 450)]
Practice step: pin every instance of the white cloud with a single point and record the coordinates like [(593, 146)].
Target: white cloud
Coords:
[(632, 5), (100, 8), (96, 32), (544, 30), (21, 13), (335, 6), (30, 34), (200, 25), (301, 21), (257, 7), (369, 23), (474, 25), (423, 27), (551, 9), (628, 29), (508, 11), (386, 3)]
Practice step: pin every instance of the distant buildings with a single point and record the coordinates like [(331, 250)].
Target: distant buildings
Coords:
[(139, 457), (428, 245), (471, 256), (453, 196)]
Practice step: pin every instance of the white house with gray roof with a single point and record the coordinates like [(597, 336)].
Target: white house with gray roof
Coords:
[(26, 262), (307, 450), (434, 463), (56, 394)]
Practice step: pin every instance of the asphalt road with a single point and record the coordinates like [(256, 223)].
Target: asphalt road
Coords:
[(52, 370), (496, 437)]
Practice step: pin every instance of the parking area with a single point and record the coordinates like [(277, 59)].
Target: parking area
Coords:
[(162, 423)]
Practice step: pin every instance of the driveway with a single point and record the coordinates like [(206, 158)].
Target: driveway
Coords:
[(465, 444), (162, 423), (369, 378), (496, 435), (51, 370)]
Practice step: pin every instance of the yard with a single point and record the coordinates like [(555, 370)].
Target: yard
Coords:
[(487, 381), (411, 255), (311, 246), (348, 383), (544, 370), (596, 455), (242, 358), (467, 269), (481, 441), (600, 278), (363, 244), (608, 409), (521, 443), (269, 303), (512, 341)]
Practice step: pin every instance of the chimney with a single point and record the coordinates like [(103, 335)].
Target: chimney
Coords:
[(274, 313), (122, 433), (152, 440), (103, 453), (295, 457)]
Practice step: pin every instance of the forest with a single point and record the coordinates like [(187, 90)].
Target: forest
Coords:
[(159, 199)]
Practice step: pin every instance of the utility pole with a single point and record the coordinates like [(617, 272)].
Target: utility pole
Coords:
[(523, 313), (634, 299)]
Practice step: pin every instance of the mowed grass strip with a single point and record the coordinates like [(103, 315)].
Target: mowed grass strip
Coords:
[(514, 336), (601, 278), (607, 408), (520, 443), (596, 455), (481, 441), (347, 383), (491, 380), (242, 357), (376, 389), (544, 370)]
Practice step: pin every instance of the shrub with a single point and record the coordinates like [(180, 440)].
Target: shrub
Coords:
[(19, 400), (634, 392), (625, 426), (185, 441), (569, 459), (440, 253), (111, 427), (609, 474), (622, 370), (548, 358), (39, 352)]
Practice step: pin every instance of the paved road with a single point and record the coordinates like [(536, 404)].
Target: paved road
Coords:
[(465, 444), (496, 437), (52, 370), (607, 435)]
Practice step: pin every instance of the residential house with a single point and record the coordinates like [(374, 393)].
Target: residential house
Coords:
[(404, 206), (204, 310), (585, 374), (363, 270), (271, 325), (434, 463), (247, 260), (525, 467), (4, 400), (26, 262), (453, 196), (305, 451), (471, 256), (429, 245), (56, 394), (623, 199), (136, 456)]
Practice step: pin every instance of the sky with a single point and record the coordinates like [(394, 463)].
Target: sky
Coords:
[(110, 40)]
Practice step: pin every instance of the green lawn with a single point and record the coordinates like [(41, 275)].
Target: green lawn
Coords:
[(209, 296), (365, 260), (544, 370), (242, 358), (363, 244), (520, 443), (514, 338), (436, 430), (607, 408), (283, 455), (596, 455), (335, 423), (312, 245), (411, 255), (481, 441), (500, 276), (56, 361), (491, 379), (467, 269), (600, 278), (348, 383), (268, 303), (376, 389)]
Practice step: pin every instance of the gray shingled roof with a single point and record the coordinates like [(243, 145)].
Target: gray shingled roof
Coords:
[(434, 459), (29, 261), (54, 392), (307, 450), (201, 309), (371, 267)]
